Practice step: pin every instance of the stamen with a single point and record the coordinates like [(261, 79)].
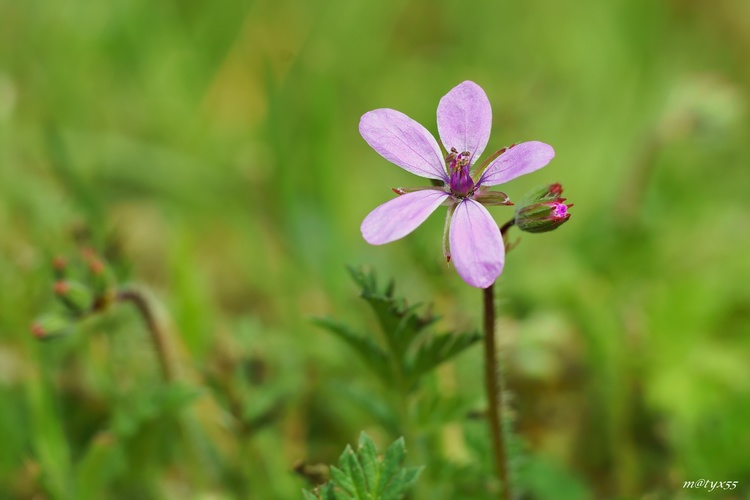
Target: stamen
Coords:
[(460, 180)]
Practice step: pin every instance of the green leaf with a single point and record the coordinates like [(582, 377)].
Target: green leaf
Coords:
[(406, 354), (394, 456), (309, 496), (410, 476), (327, 492), (368, 456), (439, 349), (404, 479), (150, 404), (324, 492), (364, 476), (373, 356), (400, 323), (342, 479), (354, 469)]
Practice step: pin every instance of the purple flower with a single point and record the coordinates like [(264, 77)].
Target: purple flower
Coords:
[(471, 239)]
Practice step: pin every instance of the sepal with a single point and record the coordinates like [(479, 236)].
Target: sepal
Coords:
[(492, 198)]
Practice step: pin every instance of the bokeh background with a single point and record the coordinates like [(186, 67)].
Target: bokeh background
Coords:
[(210, 150)]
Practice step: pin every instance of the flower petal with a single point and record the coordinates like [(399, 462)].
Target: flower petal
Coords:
[(464, 118), (402, 141), (519, 160), (477, 247), (397, 218)]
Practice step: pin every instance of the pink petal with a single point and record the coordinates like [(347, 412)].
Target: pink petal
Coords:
[(519, 160), (477, 247), (402, 141), (464, 118), (397, 218)]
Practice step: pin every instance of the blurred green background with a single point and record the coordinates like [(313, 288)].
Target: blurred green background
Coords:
[(211, 150)]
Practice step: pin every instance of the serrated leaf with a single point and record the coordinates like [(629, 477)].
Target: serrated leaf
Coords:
[(363, 476), (439, 349), (342, 479), (400, 323), (324, 492), (394, 456), (411, 474), (354, 468), (372, 355), (327, 492), (409, 328), (368, 457), (336, 494), (404, 479), (309, 496), (366, 281)]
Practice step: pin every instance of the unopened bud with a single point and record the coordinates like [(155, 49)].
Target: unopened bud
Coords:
[(50, 325), (75, 295), (103, 277), (542, 209), (59, 265)]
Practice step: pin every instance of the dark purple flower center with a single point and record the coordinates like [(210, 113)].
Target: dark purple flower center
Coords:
[(459, 179)]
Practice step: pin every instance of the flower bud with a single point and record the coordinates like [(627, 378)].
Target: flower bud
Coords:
[(59, 265), (51, 325), (542, 209), (75, 295), (103, 279)]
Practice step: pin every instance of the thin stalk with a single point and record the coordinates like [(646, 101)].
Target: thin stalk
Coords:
[(506, 226), (494, 392), (494, 385), (158, 337)]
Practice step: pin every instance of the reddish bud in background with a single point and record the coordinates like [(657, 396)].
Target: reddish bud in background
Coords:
[(76, 296)]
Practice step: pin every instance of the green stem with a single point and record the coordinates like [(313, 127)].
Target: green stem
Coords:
[(493, 386)]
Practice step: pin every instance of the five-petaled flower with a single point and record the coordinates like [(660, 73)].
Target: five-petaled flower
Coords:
[(472, 239)]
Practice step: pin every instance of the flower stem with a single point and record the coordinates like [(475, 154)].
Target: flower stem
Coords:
[(494, 389), (158, 337), (494, 385), (506, 226)]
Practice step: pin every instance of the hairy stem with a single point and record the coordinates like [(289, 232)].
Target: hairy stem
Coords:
[(158, 337), (494, 389), (494, 385)]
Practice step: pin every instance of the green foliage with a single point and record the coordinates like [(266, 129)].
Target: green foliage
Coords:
[(211, 151), (365, 475), (409, 352), (136, 411)]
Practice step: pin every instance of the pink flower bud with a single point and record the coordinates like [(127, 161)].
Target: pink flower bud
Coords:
[(542, 210)]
